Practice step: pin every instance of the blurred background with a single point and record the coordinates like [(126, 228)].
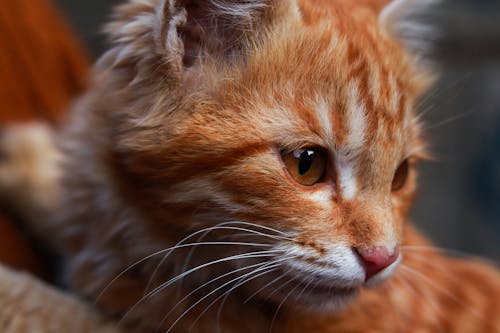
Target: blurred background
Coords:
[(458, 203)]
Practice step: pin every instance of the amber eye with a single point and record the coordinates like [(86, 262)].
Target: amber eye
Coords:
[(400, 176), (306, 165)]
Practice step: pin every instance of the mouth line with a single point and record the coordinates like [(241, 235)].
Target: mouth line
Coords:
[(317, 286)]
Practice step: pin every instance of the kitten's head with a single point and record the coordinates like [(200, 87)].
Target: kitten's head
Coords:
[(294, 119)]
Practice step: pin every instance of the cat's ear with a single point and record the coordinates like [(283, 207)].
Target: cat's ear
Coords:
[(170, 36), (412, 22)]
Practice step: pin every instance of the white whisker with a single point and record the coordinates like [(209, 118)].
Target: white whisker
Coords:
[(307, 286), (271, 326), (441, 90), (258, 226), (257, 254), (238, 284), (440, 289), (410, 249), (418, 293), (264, 287), (208, 283), (175, 247), (227, 226), (220, 226), (217, 289), (449, 120)]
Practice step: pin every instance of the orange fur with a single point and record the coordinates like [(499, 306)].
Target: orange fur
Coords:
[(182, 132)]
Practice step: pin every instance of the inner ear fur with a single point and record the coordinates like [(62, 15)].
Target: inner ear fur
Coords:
[(218, 27), (166, 37)]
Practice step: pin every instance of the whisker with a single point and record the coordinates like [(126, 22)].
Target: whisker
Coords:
[(210, 282), (414, 291), (282, 286), (220, 226), (258, 226), (175, 247), (440, 90), (271, 326), (307, 286), (425, 260), (444, 291), (228, 226), (257, 254), (270, 268), (240, 234), (418, 118), (264, 287), (411, 249), (449, 120), (227, 293)]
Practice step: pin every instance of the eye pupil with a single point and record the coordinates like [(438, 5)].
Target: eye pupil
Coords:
[(306, 166), (305, 161)]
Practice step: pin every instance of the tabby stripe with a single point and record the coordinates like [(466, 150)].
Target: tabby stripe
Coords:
[(325, 122), (153, 168)]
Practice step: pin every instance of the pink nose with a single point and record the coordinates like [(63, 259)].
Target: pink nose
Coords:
[(376, 258)]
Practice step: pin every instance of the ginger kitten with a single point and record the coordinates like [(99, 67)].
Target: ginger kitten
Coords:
[(248, 166)]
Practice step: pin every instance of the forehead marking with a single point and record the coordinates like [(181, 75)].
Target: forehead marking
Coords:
[(356, 120), (325, 122), (346, 177), (394, 94), (355, 139), (355, 124)]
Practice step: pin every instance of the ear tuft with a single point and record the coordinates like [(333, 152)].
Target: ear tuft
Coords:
[(411, 22), (140, 42), (217, 27), (243, 12)]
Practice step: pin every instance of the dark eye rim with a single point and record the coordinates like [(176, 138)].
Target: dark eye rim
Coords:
[(406, 164), (324, 152)]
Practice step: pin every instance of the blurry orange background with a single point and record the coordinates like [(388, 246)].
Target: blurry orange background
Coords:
[(42, 68)]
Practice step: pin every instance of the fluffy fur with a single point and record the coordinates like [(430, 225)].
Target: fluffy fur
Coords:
[(179, 139)]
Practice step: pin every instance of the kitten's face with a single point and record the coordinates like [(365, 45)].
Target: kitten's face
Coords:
[(312, 134)]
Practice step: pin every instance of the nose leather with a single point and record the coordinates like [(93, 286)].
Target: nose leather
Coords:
[(376, 258)]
